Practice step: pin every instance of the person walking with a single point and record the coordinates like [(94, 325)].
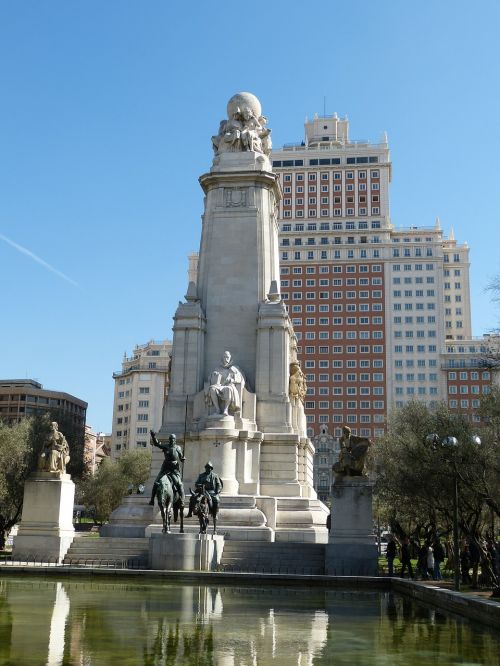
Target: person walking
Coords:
[(430, 560), (438, 559), (422, 562), (406, 558), (465, 564), (390, 554)]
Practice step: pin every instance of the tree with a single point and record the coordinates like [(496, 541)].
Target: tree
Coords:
[(103, 492), (18, 456), (415, 480)]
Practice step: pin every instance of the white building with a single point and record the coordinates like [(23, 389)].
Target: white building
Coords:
[(140, 390)]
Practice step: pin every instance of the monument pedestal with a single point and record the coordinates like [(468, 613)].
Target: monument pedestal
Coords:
[(185, 552), (352, 549), (46, 530)]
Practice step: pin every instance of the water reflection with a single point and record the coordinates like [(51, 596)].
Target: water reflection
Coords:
[(82, 623)]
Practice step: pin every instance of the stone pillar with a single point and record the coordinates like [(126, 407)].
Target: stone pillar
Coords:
[(351, 550), (185, 552), (46, 530)]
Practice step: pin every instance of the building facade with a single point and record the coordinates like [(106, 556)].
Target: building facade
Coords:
[(141, 387), (97, 447), (26, 397), (372, 304)]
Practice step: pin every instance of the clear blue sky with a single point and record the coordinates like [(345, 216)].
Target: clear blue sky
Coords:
[(106, 114)]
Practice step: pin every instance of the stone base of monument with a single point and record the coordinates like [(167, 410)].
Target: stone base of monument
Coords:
[(185, 552), (46, 529), (131, 517), (352, 549)]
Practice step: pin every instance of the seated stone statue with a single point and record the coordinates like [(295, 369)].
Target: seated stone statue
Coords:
[(353, 454), (55, 455), (226, 384)]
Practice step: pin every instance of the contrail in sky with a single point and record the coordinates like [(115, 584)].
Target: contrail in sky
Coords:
[(38, 260)]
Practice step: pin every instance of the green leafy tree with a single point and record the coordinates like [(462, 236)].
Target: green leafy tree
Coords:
[(19, 449), (415, 480), (103, 492)]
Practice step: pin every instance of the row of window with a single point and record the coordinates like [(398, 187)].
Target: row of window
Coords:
[(299, 189), (350, 404), (337, 212), (335, 282), (322, 255), (350, 307), (410, 349), (420, 362), (349, 349), (328, 161), (325, 240), (335, 295), (420, 319), (352, 268), (335, 226), (417, 334), (363, 363), (420, 377), (464, 389), (337, 321), (473, 375), (410, 390), (412, 252), (339, 335)]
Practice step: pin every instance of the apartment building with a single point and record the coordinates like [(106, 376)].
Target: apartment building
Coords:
[(371, 302), (140, 390)]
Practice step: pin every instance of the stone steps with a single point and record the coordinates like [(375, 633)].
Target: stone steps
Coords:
[(276, 557), (108, 551)]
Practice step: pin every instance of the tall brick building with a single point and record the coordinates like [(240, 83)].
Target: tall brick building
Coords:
[(373, 303)]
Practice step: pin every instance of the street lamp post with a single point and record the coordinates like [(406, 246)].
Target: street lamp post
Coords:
[(451, 443)]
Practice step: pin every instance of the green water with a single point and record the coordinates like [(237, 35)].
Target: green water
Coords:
[(82, 623)]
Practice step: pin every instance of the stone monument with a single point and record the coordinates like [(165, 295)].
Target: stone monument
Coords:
[(352, 549), (46, 529), (235, 379)]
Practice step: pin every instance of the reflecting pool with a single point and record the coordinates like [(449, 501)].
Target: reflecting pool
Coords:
[(76, 622)]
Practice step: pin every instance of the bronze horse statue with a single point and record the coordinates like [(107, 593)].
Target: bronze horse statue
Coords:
[(202, 506), (168, 501)]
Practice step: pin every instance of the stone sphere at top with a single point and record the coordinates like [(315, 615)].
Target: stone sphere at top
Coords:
[(242, 100)]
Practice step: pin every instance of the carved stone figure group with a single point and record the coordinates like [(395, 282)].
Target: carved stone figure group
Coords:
[(244, 129)]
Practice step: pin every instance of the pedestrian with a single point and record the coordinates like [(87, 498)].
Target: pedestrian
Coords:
[(422, 562), (475, 558), (430, 560), (438, 559), (406, 559), (390, 554), (465, 564)]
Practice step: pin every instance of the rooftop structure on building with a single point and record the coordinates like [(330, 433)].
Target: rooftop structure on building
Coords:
[(141, 387)]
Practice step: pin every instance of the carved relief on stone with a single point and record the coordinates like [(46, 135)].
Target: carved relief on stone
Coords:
[(297, 387), (55, 455), (236, 197), (245, 128)]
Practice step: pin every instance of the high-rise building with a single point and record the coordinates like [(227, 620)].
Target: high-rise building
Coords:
[(372, 303), (140, 390)]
